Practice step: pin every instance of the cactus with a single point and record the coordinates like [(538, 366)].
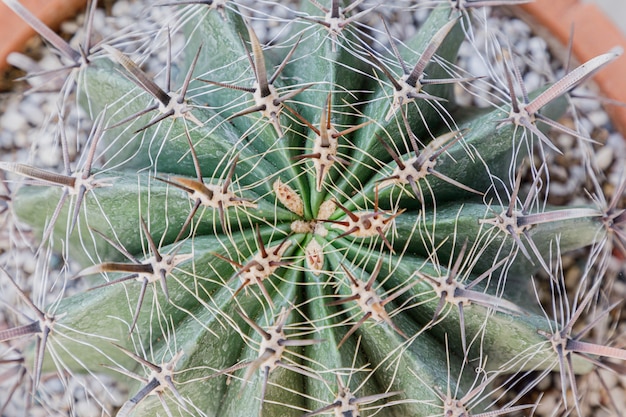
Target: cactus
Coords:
[(313, 227)]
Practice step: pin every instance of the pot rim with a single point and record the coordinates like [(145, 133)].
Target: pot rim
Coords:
[(14, 32)]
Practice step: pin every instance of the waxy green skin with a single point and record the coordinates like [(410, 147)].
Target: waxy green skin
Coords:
[(201, 314)]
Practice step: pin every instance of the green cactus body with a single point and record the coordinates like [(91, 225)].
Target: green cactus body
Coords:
[(297, 240)]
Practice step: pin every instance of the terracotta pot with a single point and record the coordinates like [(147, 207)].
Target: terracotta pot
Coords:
[(14, 32), (594, 34)]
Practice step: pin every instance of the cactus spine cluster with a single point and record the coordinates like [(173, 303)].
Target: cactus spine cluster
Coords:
[(308, 228)]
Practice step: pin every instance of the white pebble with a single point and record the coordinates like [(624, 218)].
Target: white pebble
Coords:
[(121, 8), (50, 157), (476, 66), (13, 120), (70, 27), (21, 139), (33, 113), (537, 45), (565, 141), (598, 118), (533, 81), (604, 157), (421, 13)]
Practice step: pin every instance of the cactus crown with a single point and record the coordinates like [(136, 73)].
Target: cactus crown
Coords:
[(311, 227)]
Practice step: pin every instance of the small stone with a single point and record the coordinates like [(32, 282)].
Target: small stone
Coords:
[(533, 81), (85, 408), (483, 99), (476, 66), (604, 158), (617, 393), (121, 8), (420, 14), (598, 118), (461, 96), (572, 276), (54, 386), (600, 134), (565, 141), (609, 377), (13, 120), (549, 403), (537, 45), (70, 27)]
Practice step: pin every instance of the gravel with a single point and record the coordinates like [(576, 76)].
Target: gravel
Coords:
[(26, 134)]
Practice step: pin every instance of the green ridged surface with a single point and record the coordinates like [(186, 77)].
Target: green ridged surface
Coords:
[(200, 317)]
